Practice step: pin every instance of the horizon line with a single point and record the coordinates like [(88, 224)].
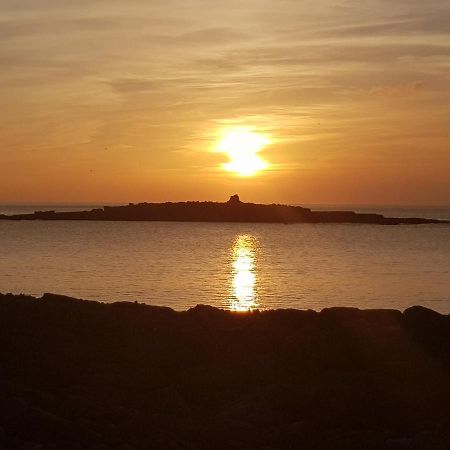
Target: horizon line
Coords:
[(124, 203)]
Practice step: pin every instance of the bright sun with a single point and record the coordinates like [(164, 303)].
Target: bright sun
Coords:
[(242, 146)]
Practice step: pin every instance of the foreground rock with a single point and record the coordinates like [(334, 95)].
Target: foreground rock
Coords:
[(86, 375), (232, 211)]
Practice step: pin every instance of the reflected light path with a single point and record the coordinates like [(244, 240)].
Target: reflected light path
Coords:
[(243, 289)]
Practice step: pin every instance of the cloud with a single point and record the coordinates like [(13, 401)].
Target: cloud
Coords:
[(207, 36), (19, 28), (399, 90), (162, 76), (135, 85), (423, 24)]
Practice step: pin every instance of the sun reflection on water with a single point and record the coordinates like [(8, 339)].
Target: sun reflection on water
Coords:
[(243, 292)]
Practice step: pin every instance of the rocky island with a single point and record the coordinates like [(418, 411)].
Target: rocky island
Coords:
[(232, 211), (78, 375)]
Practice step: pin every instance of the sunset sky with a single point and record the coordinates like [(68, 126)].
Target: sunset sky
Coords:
[(117, 101)]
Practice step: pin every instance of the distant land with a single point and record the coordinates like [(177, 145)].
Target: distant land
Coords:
[(232, 211)]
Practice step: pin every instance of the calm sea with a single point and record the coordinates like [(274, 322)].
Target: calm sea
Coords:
[(235, 266)]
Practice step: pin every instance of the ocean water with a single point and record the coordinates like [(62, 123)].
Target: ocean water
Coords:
[(233, 266)]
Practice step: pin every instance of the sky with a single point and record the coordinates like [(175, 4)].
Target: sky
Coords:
[(117, 101)]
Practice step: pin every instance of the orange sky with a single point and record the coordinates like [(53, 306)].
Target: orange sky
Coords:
[(113, 101)]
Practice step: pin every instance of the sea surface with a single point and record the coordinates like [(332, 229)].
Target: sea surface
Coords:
[(235, 266)]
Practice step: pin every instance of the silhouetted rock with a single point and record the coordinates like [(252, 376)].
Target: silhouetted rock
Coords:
[(234, 199), (232, 211), (76, 374)]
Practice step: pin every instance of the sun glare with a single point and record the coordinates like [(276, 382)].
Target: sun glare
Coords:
[(242, 147), (243, 295)]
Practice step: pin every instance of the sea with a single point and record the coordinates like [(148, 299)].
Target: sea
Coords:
[(236, 266)]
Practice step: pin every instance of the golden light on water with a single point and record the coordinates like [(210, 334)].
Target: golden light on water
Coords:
[(243, 295), (242, 146)]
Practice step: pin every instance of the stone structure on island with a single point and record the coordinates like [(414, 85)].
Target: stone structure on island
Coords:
[(234, 200)]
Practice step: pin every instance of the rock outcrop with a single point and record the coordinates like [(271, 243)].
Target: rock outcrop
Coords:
[(86, 375)]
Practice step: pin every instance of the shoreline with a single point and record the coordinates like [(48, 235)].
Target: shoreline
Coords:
[(79, 374), (46, 296)]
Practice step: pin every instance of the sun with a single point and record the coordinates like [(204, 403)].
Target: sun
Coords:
[(242, 147)]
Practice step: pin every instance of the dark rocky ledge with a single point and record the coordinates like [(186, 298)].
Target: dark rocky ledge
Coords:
[(232, 211), (85, 375)]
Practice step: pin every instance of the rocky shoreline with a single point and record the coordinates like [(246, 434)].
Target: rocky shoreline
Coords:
[(232, 211), (77, 374)]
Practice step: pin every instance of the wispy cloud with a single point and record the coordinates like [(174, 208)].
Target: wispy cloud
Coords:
[(328, 80)]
